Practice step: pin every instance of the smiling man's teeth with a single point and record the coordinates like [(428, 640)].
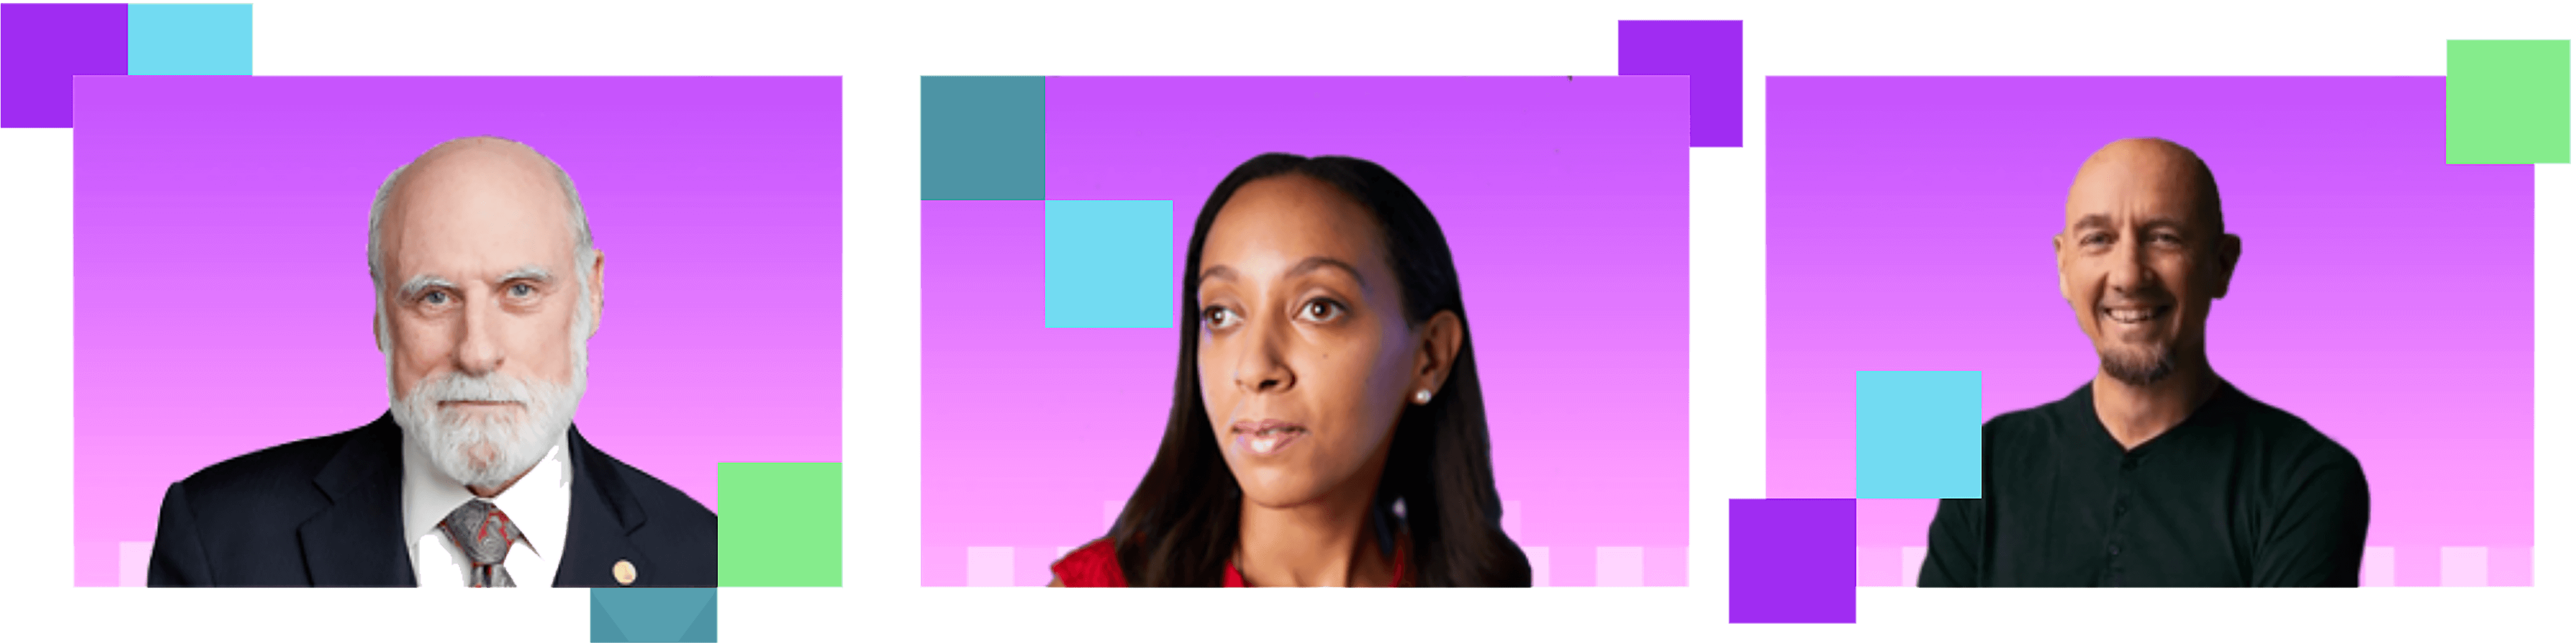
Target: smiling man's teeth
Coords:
[(2126, 315)]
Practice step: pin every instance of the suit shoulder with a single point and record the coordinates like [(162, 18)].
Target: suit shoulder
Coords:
[(266, 470), (666, 504)]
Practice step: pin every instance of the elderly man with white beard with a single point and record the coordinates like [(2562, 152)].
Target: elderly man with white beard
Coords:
[(487, 292)]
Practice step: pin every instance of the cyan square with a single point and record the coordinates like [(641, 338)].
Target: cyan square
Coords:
[(1920, 434), (187, 39), (983, 138), (685, 614), (1109, 264)]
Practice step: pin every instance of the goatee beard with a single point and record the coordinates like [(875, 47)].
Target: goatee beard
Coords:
[(486, 451), (2138, 370)]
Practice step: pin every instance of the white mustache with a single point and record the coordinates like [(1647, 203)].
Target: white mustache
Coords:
[(459, 387)]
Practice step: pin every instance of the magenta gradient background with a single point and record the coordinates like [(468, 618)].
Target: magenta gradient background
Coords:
[(1565, 203), (2384, 296), (223, 304)]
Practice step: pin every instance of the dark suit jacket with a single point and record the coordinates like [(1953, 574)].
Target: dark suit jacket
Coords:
[(327, 512)]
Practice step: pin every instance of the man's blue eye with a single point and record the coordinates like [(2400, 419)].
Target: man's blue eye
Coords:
[(435, 298), (521, 290)]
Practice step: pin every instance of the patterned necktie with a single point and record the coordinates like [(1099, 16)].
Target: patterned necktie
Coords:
[(484, 534)]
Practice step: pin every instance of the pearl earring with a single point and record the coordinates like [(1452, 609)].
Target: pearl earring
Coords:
[(1422, 396)]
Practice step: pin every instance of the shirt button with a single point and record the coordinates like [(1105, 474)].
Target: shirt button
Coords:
[(2120, 507), (2115, 549)]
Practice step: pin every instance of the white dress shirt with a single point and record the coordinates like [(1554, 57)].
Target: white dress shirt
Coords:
[(429, 495)]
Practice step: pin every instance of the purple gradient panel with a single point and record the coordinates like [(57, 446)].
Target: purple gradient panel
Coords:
[(223, 304), (1936, 197), (1791, 560), (1711, 53), (1566, 205), (42, 46)]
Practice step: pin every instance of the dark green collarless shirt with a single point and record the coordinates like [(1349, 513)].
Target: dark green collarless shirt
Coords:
[(2239, 495)]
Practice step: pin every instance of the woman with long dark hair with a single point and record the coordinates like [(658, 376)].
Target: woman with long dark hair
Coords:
[(1327, 427)]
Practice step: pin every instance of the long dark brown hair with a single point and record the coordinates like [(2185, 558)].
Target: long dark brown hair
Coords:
[(1437, 493)]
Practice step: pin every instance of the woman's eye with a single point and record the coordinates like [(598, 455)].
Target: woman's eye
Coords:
[(1217, 317), (1322, 310)]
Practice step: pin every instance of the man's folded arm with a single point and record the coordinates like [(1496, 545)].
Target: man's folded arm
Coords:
[(1957, 545), (177, 559), (2317, 538)]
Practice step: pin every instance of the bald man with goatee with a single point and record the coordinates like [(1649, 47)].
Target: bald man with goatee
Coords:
[(2157, 473)]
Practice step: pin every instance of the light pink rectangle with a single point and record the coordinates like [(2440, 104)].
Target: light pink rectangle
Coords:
[(2464, 567), (1879, 566), (1620, 567), (1913, 564), (2378, 567), (1538, 565), (988, 567), (133, 563), (2509, 566), (1667, 566)]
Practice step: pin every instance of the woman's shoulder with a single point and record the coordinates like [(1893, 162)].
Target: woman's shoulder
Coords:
[(1092, 565)]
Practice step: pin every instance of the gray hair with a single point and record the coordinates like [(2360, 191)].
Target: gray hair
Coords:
[(582, 251)]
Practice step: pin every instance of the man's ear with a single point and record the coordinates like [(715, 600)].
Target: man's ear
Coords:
[(2057, 251), (376, 328), (2229, 248), (598, 288)]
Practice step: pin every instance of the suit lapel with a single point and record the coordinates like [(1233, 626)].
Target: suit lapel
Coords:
[(603, 514), (358, 541)]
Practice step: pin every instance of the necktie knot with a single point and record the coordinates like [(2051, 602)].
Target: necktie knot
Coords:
[(484, 534)]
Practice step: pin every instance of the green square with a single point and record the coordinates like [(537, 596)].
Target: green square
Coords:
[(2505, 102), (781, 525)]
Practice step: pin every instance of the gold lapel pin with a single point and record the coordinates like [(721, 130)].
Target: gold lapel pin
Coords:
[(624, 571)]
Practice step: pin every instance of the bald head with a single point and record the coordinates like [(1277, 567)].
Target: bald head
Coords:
[(2143, 253), (2150, 173), (479, 163), (476, 175)]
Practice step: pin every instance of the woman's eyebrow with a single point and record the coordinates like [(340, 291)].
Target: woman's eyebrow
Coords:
[(1299, 268)]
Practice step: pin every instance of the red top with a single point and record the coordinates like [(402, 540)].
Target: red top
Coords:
[(1096, 565)]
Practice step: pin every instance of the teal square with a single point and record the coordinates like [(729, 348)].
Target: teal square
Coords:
[(619, 614), (1109, 264), (187, 40), (983, 138), (1920, 434)]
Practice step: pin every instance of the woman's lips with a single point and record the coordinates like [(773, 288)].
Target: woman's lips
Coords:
[(1249, 426), (1269, 443)]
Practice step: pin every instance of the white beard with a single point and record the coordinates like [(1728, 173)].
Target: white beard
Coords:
[(490, 452)]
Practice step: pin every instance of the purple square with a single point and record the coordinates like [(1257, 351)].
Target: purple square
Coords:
[(42, 46), (1791, 560), (2419, 566), (1711, 53)]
